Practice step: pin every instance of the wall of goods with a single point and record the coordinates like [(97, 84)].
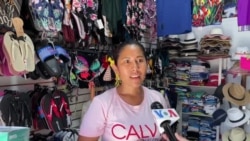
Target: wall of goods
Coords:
[(54, 52)]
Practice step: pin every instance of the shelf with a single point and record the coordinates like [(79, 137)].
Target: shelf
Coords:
[(212, 87), (196, 114)]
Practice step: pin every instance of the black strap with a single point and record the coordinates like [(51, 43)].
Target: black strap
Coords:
[(239, 99), (234, 121)]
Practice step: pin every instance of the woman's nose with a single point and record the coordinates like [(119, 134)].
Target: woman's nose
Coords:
[(135, 65)]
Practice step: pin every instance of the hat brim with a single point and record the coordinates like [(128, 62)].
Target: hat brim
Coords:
[(218, 121), (189, 42), (226, 135), (221, 36), (243, 102), (237, 124)]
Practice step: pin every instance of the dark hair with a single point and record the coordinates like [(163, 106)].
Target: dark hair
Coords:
[(121, 46)]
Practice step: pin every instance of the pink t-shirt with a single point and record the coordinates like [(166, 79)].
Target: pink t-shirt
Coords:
[(113, 119)]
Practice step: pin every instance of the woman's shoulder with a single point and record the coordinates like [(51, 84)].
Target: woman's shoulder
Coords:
[(106, 95), (155, 95), (151, 91)]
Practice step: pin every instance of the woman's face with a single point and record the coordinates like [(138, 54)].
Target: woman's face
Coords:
[(131, 66)]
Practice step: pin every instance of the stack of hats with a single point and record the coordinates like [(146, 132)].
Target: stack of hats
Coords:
[(172, 43), (189, 46), (215, 45), (237, 95)]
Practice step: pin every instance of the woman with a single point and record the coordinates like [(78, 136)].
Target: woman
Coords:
[(124, 113)]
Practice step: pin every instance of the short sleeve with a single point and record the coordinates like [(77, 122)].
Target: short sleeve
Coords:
[(93, 121)]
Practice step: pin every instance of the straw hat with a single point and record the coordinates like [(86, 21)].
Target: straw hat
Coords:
[(236, 94), (217, 32), (235, 134), (189, 39), (236, 117)]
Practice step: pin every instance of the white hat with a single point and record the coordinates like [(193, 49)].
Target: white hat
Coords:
[(235, 134), (236, 117), (217, 32), (189, 39), (240, 51), (173, 36)]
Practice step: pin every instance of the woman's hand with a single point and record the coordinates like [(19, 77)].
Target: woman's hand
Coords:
[(178, 137)]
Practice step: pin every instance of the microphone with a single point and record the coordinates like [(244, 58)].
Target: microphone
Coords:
[(164, 119)]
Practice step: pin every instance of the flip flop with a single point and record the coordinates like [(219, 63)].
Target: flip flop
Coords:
[(51, 112), (13, 52), (34, 75), (1, 54), (47, 54), (62, 54), (80, 26), (56, 109), (27, 48), (43, 73)]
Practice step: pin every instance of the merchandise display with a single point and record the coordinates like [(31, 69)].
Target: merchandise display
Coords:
[(56, 56)]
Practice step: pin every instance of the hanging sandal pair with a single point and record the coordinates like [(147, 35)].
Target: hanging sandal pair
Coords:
[(18, 50)]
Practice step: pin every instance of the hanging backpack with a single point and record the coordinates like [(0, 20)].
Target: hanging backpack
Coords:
[(46, 16), (8, 10), (15, 109), (55, 108), (38, 118)]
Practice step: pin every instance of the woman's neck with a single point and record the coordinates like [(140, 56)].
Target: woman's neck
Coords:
[(132, 96), (130, 91)]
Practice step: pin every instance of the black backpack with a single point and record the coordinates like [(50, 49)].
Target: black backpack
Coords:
[(15, 109)]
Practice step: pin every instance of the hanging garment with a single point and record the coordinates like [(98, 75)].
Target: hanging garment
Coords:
[(111, 9), (173, 17), (243, 7), (135, 19), (150, 19), (207, 12)]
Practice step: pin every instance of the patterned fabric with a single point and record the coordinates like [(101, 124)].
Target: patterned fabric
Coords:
[(87, 8), (107, 75), (47, 15), (150, 18), (135, 18), (8, 10), (207, 12)]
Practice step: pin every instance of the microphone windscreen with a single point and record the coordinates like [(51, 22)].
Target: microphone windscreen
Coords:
[(156, 105)]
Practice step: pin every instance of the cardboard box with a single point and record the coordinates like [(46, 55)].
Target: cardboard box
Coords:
[(13, 133)]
